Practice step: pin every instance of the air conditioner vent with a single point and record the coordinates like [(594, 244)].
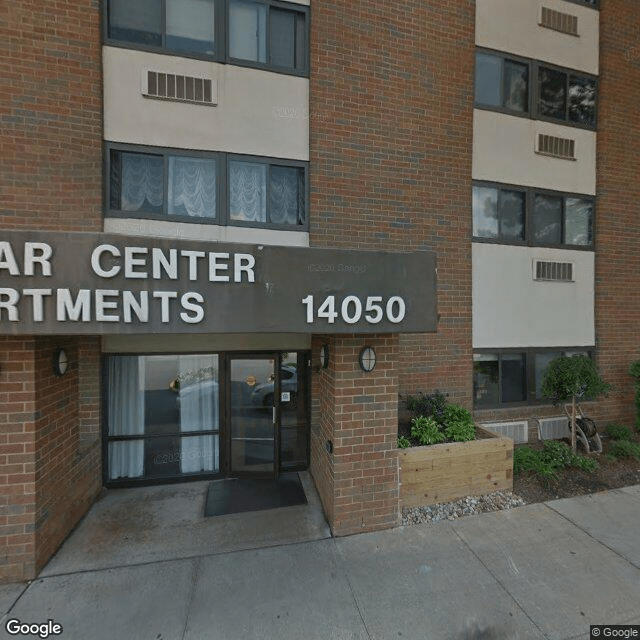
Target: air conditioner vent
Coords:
[(563, 22), (555, 147), (517, 431), (171, 86), (553, 271), (553, 428)]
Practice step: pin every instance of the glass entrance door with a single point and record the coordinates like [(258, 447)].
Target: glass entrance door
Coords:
[(252, 410)]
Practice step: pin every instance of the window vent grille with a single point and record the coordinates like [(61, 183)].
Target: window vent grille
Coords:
[(553, 428), (553, 271), (517, 431), (563, 22), (556, 147), (170, 86)]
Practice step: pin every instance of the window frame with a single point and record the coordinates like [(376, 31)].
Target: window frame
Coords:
[(530, 193), (222, 191), (533, 90), (530, 380), (221, 35), (585, 3)]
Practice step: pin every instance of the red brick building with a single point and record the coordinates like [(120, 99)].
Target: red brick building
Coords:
[(175, 172)]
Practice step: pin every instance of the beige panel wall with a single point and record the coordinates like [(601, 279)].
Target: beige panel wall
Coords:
[(511, 309), (205, 232), (258, 112), (504, 151), (513, 26)]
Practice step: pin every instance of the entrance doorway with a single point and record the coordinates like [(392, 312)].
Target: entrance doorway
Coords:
[(172, 417)]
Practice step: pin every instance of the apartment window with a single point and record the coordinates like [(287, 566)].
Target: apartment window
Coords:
[(264, 33), (515, 215), (498, 213), (206, 187), (512, 376), (567, 97), (504, 84)]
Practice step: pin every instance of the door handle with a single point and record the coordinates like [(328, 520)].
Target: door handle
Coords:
[(274, 415)]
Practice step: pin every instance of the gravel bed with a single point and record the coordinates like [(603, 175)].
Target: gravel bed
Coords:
[(470, 505)]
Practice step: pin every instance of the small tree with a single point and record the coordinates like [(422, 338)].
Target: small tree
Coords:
[(573, 378)]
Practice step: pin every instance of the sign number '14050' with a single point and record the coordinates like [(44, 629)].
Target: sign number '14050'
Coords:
[(352, 309)]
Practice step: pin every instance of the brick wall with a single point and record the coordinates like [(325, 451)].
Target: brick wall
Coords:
[(50, 115), (358, 481), (47, 482), (391, 103), (617, 222)]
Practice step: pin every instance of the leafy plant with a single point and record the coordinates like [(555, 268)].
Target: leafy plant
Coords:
[(546, 463), (458, 423), (403, 442), (634, 370), (572, 378), (426, 430), (428, 405), (625, 449), (618, 431)]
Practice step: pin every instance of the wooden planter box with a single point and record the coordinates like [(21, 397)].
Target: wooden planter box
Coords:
[(446, 472)]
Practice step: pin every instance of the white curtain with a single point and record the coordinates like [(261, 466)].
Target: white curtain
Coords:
[(192, 187), (248, 30), (199, 411), (141, 180), (192, 19), (248, 188), (285, 195), (126, 416)]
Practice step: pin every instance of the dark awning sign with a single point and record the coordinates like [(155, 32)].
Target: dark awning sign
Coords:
[(82, 283)]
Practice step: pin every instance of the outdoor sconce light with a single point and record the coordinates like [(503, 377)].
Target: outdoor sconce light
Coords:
[(60, 362), (368, 359), (324, 356)]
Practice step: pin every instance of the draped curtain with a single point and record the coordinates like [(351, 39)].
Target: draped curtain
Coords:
[(192, 187), (248, 30), (248, 191), (285, 195), (142, 182), (199, 411), (126, 416)]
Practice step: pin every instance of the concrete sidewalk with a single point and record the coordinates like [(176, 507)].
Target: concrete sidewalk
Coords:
[(540, 571)]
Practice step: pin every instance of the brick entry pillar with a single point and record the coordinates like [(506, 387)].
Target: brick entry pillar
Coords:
[(354, 455), (50, 447)]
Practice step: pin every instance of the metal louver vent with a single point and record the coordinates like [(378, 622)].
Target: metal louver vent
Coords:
[(563, 22), (553, 428), (553, 271), (170, 86), (556, 147), (517, 431)]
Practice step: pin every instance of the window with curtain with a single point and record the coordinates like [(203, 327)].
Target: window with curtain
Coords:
[(258, 33), (163, 416), (192, 188)]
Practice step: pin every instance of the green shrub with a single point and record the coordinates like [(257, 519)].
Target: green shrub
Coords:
[(428, 405), (458, 423), (426, 430), (403, 442), (618, 432), (555, 455), (625, 449), (634, 370)]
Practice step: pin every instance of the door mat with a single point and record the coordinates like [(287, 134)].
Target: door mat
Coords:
[(236, 495)]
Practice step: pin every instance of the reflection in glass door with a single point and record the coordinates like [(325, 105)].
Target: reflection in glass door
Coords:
[(252, 413)]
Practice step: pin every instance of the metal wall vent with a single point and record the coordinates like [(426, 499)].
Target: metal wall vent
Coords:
[(563, 22), (553, 428), (553, 271), (517, 431), (171, 86), (564, 148)]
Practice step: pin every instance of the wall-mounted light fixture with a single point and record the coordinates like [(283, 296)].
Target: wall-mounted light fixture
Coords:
[(367, 359), (324, 356), (60, 362)]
